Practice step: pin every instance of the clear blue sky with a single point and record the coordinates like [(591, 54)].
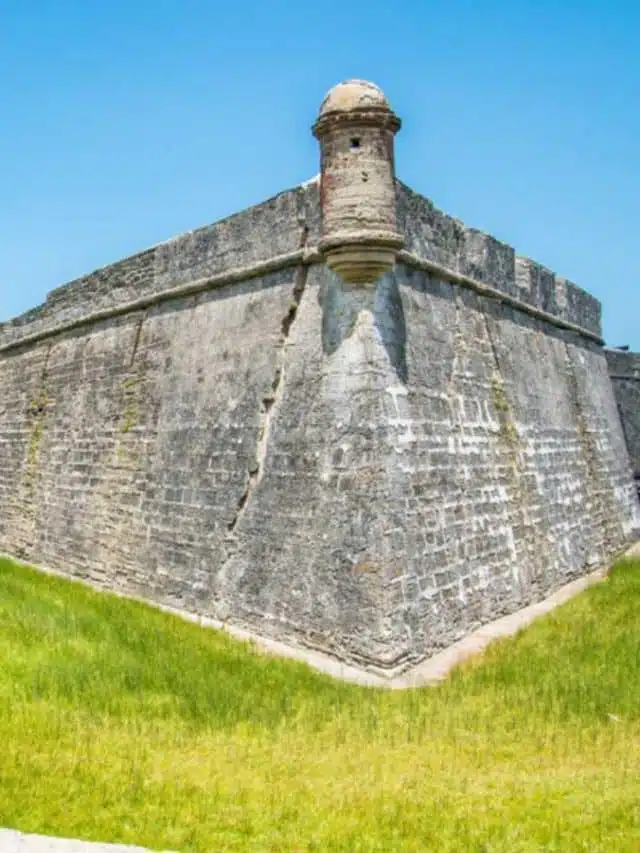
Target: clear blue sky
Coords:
[(125, 123)]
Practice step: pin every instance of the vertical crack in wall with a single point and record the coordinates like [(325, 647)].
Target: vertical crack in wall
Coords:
[(623, 424), (132, 390), (270, 401), (36, 414), (136, 338), (596, 485)]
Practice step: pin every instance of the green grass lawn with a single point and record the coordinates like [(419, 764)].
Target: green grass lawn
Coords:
[(121, 723)]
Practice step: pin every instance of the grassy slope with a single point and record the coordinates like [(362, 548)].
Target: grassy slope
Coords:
[(120, 723)]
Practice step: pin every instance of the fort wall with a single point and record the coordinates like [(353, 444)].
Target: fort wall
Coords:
[(220, 425), (624, 370)]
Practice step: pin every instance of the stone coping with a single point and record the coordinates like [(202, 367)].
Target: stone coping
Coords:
[(266, 237)]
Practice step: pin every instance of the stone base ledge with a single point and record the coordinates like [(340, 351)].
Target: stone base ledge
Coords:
[(430, 671)]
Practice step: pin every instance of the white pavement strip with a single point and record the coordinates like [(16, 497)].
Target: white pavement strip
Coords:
[(17, 842), (634, 551)]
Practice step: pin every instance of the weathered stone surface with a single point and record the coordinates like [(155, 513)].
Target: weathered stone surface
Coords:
[(257, 234), (624, 370), (371, 473), (435, 236)]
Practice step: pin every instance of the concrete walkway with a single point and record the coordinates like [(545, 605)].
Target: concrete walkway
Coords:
[(17, 842)]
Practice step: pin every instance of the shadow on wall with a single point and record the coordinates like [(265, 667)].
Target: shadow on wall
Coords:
[(341, 306)]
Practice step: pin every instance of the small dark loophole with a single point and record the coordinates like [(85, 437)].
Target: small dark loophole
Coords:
[(355, 142), (365, 176)]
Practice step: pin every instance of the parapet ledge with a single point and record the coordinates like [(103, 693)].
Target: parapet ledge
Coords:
[(271, 231), (435, 236), (623, 364), (247, 239)]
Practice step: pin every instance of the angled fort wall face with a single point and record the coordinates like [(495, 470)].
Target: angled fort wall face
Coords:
[(624, 370), (367, 463)]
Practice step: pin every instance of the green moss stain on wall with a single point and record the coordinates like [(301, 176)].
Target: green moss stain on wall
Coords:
[(508, 431), (132, 389), (37, 412)]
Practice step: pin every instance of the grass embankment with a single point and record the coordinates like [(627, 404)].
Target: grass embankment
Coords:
[(121, 723)]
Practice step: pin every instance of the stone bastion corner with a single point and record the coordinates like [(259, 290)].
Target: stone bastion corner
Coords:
[(340, 419)]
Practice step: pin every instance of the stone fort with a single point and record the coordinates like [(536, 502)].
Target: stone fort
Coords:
[(340, 419)]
